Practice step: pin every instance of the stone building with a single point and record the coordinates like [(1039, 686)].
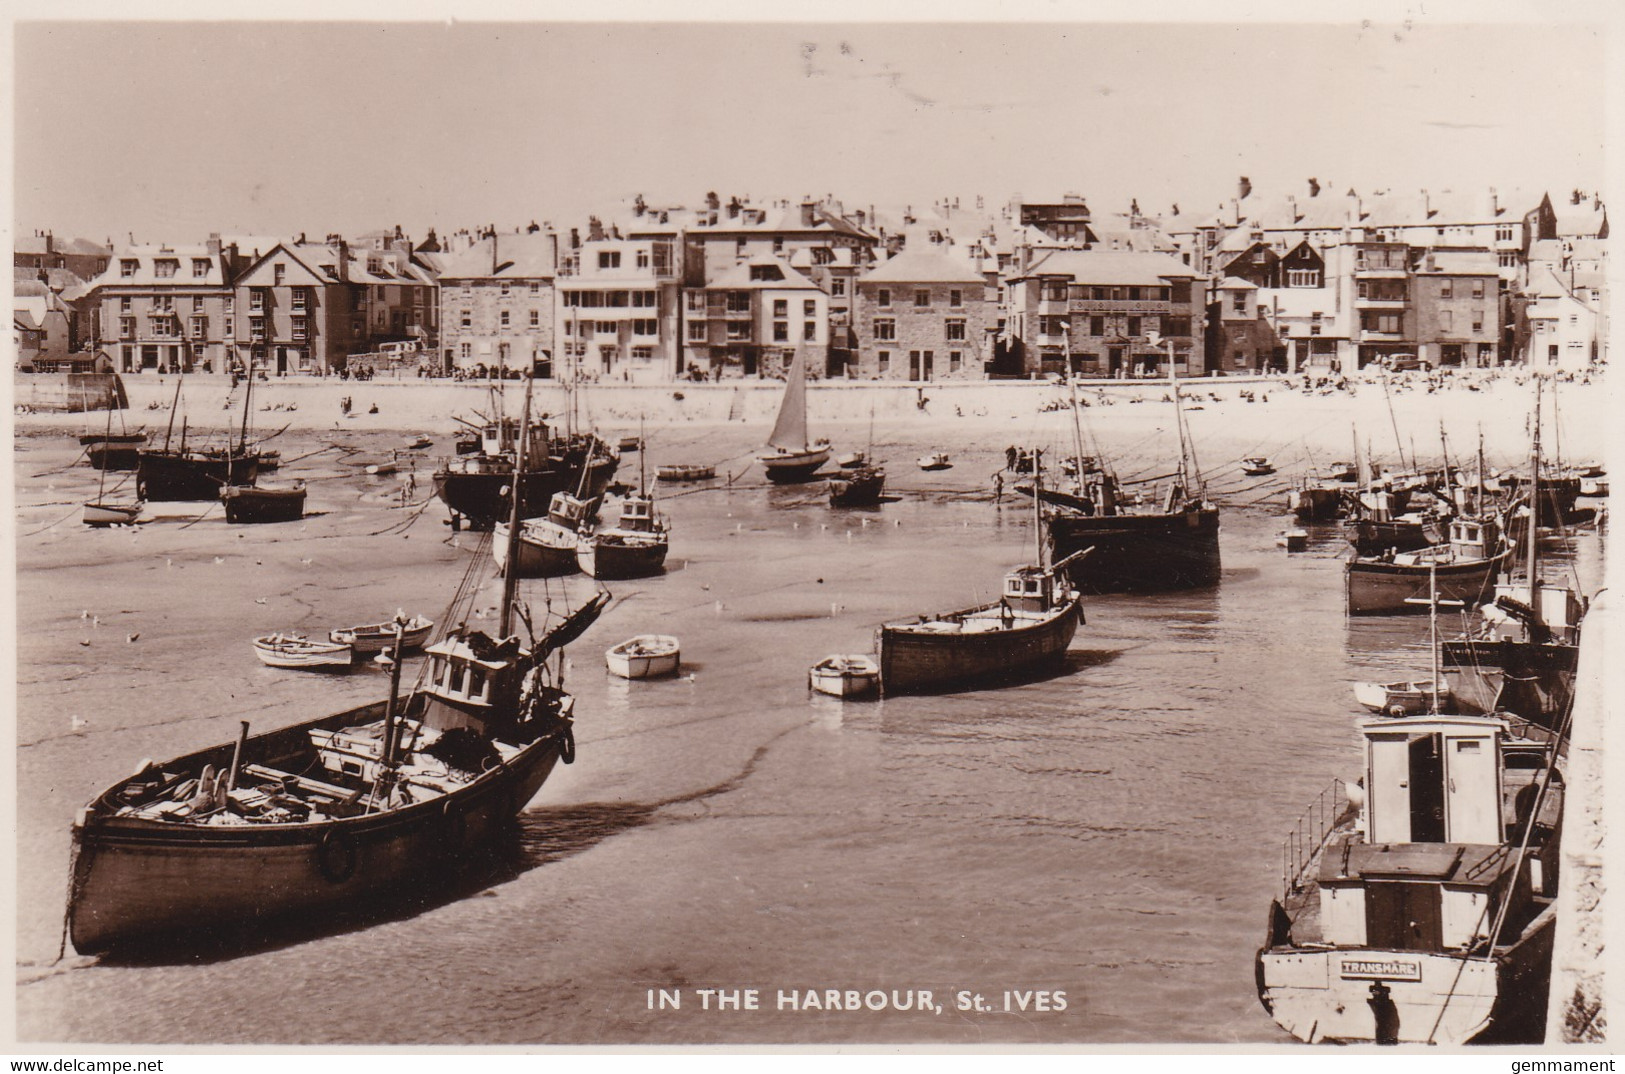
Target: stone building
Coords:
[(923, 315), (753, 319), (497, 303)]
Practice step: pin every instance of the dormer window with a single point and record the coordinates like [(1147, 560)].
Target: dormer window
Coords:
[(165, 267), (200, 267), (127, 266)]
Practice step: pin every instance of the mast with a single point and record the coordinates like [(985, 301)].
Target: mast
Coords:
[(1394, 420), (248, 398), (1038, 504), (176, 405), (1188, 465), (1077, 429), (510, 573), (1534, 506), (1433, 634)]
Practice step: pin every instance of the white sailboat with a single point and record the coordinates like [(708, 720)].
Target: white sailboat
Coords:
[(794, 457)]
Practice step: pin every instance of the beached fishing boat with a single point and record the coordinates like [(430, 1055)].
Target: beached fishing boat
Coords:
[(860, 487), (113, 451), (937, 460), (104, 512), (679, 472), (418, 442), (1256, 466), (1422, 910), (260, 503), (1398, 583), (630, 443), (1025, 631), (299, 651), (794, 457), (854, 675), (1168, 543), (476, 486), (180, 475), (343, 811), (646, 656), (634, 547), (1315, 501), (376, 637)]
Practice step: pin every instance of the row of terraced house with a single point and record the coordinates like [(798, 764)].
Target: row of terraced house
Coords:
[(1307, 281)]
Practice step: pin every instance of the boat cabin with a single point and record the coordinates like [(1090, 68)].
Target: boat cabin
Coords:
[(473, 681), (638, 515), (1475, 538), (500, 438), (568, 511), (1029, 589), (1447, 800), (1555, 606)]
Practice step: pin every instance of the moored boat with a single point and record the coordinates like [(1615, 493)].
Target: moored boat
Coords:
[(376, 637), (1256, 466), (794, 457), (298, 651), (681, 472), (634, 547), (476, 486), (103, 513), (853, 675), (1402, 698), (114, 451), (937, 460), (852, 460), (645, 656), (1463, 571), (260, 503), (861, 487)]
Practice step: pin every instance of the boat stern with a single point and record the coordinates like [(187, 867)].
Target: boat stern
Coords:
[(1382, 997)]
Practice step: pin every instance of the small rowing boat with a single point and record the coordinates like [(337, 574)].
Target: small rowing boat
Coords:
[(855, 675), (298, 651), (376, 637), (645, 657)]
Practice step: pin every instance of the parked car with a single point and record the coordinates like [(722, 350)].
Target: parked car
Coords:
[(1399, 363)]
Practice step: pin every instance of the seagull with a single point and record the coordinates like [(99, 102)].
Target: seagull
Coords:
[(85, 614), (259, 600), (218, 560), (84, 641), (306, 562), (132, 637), (77, 723)]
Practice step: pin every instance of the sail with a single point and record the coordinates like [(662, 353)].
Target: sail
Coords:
[(790, 431)]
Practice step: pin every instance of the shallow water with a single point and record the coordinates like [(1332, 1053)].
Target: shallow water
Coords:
[(1112, 833)]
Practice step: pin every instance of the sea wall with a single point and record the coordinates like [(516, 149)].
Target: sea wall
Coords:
[(68, 392)]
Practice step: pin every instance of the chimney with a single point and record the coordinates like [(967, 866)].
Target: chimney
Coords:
[(1314, 187), (1495, 202), (494, 261), (807, 215), (1244, 187), (213, 245), (575, 238), (1427, 205)]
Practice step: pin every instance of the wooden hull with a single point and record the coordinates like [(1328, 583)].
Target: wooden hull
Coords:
[(254, 505), (913, 661), (479, 498), (1139, 553), (1376, 588), (1441, 998), (314, 656), (646, 662), (371, 640), (1530, 680), (1315, 503), (173, 476), (115, 454), (137, 880), (844, 678), (111, 514), (1374, 538), (792, 466), (861, 488), (607, 559), (685, 473), (552, 555)]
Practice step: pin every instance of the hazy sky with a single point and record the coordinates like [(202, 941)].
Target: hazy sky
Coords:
[(172, 130)]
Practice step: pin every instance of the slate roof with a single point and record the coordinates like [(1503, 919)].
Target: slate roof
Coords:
[(923, 264), (526, 256), (1109, 267), (738, 278)]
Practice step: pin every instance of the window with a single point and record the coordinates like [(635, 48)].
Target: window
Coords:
[(466, 350), (922, 299), (126, 328), (885, 328), (646, 326), (1507, 259), (1503, 233), (231, 328), (696, 301), (256, 301), (822, 255), (696, 331), (740, 248), (1478, 288), (1374, 321), (163, 303), (809, 331), (165, 268), (375, 266), (504, 318), (643, 262), (231, 304), (505, 288), (809, 307), (954, 361), (200, 267), (609, 259), (124, 304), (1133, 326), (468, 288), (955, 328), (883, 297), (644, 299), (200, 327), (535, 287), (299, 300), (1302, 277), (837, 287), (298, 329), (883, 360), (1097, 326), (127, 266), (781, 307), (535, 318), (256, 327), (738, 301), (781, 331), (1238, 302), (956, 298), (1478, 322), (643, 354), (467, 318), (738, 331), (778, 245), (1134, 294), (1447, 289), (279, 273)]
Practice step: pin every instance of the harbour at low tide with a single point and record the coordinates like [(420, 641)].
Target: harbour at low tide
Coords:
[(1112, 832)]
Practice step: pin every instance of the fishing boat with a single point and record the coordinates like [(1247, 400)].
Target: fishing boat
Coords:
[(179, 475), (374, 638), (794, 457), (855, 675), (1168, 543), (860, 487), (853, 460), (681, 472), (260, 503), (630, 443), (646, 656), (1023, 632), (634, 547), (383, 469), (1402, 698), (343, 811), (937, 460), (1422, 911), (418, 442), (1463, 571), (1315, 501), (113, 451), (299, 651), (476, 486), (101, 511), (1256, 466)]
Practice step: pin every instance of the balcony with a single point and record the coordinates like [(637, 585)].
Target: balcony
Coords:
[(1380, 272), (1122, 305), (1051, 339), (1381, 303), (1052, 306), (1371, 336)]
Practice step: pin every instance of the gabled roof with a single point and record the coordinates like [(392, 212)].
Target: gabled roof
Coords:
[(1109, 267), (1232, 283), (738, 278), (1581, 221), (526, 256), (60, 279), (924, 264)]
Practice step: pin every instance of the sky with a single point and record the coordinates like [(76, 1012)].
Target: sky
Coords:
[(172, 130)]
